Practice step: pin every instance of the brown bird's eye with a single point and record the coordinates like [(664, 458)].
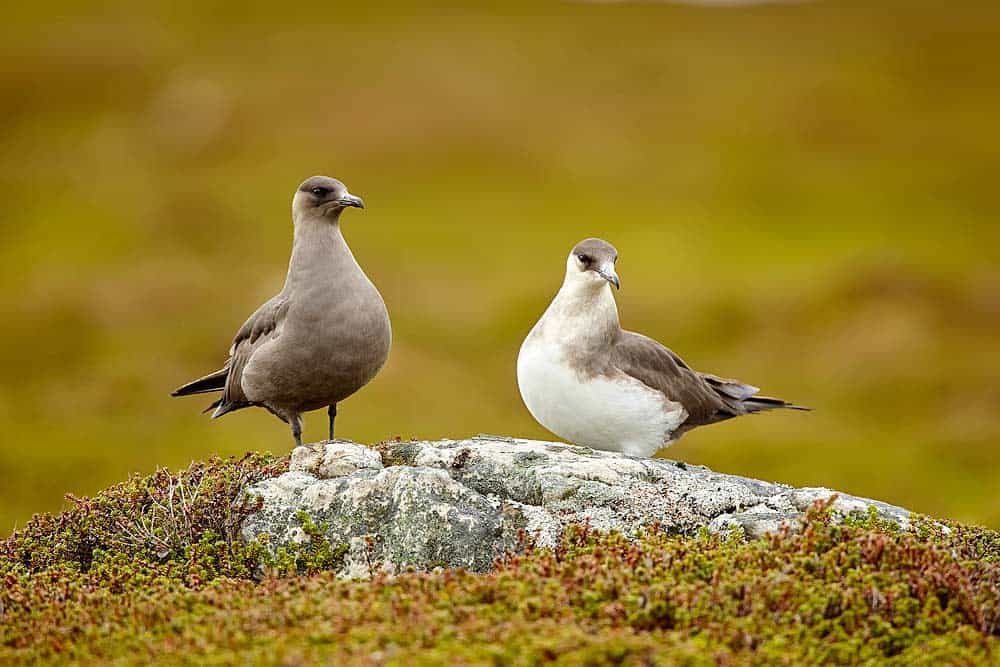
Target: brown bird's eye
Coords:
[(319, 192)]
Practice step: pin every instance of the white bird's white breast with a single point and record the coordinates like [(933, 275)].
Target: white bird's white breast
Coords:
[(616, 413)]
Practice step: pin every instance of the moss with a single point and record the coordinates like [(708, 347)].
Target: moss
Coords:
[(186, 519), (184, 526), (314, 554), (850, 592), (397, 452)]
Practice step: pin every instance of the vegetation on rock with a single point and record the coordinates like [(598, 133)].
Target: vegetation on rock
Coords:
[(152, 569)]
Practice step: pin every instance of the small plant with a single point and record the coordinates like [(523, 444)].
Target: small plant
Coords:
[(192, 516), (155, 570), (313, 554), (393, 452)]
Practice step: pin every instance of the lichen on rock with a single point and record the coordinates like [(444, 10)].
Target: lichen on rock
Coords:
[(464, 503)]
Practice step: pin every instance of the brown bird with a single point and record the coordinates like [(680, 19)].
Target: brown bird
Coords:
[(593, 383), (320, 339)]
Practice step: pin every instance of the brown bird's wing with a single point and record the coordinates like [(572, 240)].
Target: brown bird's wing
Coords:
[(661, 369), (261, 327)]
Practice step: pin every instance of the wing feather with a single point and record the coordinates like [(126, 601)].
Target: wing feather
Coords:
[(262, 326), (661, 369), (707, 398)]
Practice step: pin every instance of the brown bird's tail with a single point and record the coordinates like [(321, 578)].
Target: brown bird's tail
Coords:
[(761, 403), (212, 382)]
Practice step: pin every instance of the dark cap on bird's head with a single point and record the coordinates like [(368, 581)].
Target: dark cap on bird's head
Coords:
[(598, 256), (325, 195)]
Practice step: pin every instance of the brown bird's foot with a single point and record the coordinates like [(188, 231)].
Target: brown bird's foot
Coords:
[(332, 411), (296, 423)]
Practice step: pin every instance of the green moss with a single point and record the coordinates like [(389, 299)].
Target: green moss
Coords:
[(396, 452), (314, 554), (183, 525), (850, 592), (187, 521)]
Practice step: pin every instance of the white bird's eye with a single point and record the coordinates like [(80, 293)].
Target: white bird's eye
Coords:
[(583, 259), (319, 192)]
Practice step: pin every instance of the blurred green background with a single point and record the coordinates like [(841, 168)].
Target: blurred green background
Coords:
[(804, 197)]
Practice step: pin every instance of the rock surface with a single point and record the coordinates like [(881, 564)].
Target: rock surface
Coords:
[(462, 503)]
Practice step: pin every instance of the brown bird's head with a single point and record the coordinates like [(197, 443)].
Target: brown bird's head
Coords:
[(593, 260), (323, 196)]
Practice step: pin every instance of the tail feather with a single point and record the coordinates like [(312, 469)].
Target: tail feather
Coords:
[(217, 408), (225, 408), (730, 388), (761, 403), (212, 382)]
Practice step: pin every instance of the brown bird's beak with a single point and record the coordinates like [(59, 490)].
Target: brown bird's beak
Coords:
[(351, 200)]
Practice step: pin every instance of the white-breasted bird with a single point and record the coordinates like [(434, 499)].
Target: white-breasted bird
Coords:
[(593, 383)]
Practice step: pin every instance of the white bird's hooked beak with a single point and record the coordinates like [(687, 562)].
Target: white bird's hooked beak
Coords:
[(607, 271), (350, 200)]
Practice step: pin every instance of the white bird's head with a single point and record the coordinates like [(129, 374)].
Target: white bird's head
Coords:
[(592, 264)]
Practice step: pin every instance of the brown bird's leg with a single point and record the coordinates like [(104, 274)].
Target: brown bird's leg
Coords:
[(296, 423), (333, 415)]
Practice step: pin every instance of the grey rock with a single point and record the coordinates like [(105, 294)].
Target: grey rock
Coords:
[(755, 524), (465, 503), (334, 459)]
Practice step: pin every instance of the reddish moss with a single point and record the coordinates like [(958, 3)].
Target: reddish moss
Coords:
[(187, 518), (841, 593)]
